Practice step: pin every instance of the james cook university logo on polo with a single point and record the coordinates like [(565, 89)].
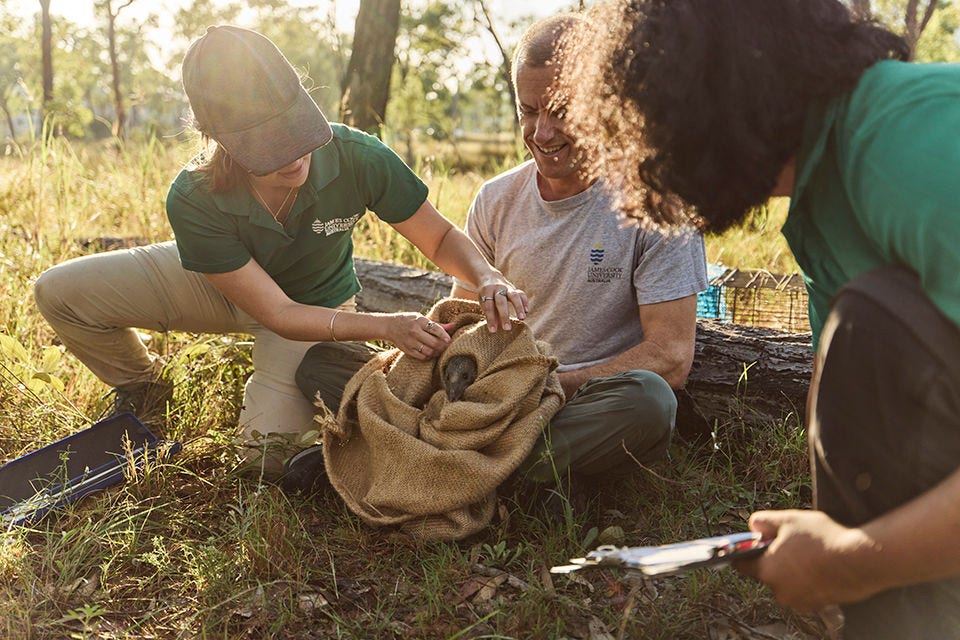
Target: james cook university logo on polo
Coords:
[(337, 225), (596, 254)]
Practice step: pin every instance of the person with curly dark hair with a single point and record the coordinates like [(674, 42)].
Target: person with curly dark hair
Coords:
[(705, 109)]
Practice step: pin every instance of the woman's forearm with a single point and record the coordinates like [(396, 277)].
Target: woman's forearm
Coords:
[(459, 257)]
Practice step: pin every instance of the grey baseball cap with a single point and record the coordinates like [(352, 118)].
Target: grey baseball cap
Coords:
[(247, 96)]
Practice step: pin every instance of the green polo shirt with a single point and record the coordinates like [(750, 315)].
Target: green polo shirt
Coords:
[(878, 183), (310, 256)]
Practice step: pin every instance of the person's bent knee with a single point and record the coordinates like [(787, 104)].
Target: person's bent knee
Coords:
[(647, 408), (52, 289), (651, 395), (327, 367)]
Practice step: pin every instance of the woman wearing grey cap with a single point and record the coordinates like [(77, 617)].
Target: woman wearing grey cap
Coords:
[(262, 220)]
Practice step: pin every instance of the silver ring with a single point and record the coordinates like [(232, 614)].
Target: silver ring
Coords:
[(501, 292), (429, 326), (420, 349), (485, 298)]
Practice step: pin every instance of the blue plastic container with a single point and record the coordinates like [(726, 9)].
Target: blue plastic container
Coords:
[(711, 302)]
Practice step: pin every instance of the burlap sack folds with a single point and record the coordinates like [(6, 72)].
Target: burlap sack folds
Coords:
[(399, 453)]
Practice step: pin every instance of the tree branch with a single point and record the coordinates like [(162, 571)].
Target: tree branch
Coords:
[(506, 65)]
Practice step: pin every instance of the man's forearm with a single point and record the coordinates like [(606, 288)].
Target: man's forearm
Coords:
[(672, 365)]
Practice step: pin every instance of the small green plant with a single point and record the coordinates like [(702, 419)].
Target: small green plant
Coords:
[(88, 616), (501, 555), (32, 377)]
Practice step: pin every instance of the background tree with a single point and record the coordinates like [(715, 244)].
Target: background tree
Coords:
[(191, 22), (46, 54), (425, 93), (938, 41), (12, 86), (367, 81), (312, 44), (82, 81), (111, 12), (916, 18), (506, 55), (439, 79), (909, 18)]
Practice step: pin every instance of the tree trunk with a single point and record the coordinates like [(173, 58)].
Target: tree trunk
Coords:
[(120, 112), (913, 22), (914, 25), (739, 372), (46, 55), (367, 82)]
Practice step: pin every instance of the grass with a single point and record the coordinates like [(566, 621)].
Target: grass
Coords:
[(192, 548)]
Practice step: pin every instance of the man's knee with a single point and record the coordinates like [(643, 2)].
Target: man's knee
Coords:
[(327, 367), (647, 407)]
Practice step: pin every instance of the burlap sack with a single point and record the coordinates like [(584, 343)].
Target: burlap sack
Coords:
[(399, 453)]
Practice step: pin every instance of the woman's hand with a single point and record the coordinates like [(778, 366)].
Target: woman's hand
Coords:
[(496, 299), (450, 249), (418, 336)]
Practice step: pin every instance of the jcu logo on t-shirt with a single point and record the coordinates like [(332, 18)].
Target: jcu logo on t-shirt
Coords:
[(597, 273), (337, 225)]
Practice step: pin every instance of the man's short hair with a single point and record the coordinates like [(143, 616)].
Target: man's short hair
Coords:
[(542, 42)]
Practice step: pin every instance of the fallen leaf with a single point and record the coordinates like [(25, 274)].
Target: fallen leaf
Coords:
[(546, 580), (504, 514), (481, 588), (489, 589), (310, 602), (612, 535), (576, 578), (720, 630), (776, 630)]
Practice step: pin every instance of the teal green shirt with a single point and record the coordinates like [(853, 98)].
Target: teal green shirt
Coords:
[(310, 256), (878, 183)]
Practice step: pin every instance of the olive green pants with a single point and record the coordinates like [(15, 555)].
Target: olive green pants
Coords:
[(606, 428)]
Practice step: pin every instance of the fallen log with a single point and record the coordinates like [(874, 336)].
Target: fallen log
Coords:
[(739, 372)]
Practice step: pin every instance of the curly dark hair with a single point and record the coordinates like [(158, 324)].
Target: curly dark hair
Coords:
[(701, 103)]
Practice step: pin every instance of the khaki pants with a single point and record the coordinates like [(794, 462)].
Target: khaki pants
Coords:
[(96, 304)]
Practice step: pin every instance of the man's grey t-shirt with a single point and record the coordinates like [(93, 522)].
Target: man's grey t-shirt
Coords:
[(585, 268)]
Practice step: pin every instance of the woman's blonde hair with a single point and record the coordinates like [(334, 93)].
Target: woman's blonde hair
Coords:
[(220, 170)]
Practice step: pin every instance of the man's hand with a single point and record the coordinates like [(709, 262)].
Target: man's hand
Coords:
[(571, 381), (812, 561)]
